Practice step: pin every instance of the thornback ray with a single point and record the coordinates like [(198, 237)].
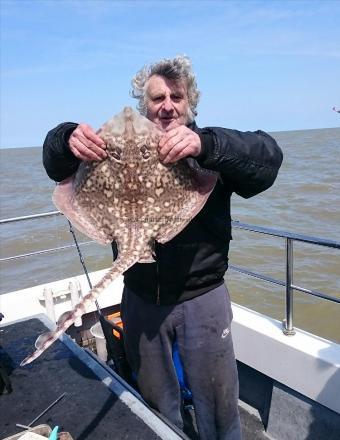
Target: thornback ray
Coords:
[(131, 198)]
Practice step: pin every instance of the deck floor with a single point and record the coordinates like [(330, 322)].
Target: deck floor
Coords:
[(89, 410)]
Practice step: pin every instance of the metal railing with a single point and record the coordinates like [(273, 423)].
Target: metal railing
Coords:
[(287, 324), (288, 328), (44, 251)]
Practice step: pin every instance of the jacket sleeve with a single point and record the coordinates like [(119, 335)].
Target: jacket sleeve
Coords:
[(58, 160), (247, 161)]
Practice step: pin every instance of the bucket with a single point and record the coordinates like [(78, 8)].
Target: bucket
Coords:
[(97, 332)]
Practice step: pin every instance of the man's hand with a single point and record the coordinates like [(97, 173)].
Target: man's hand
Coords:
[(85, 144), (177, 143)]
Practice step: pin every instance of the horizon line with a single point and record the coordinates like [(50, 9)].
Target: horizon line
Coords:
[(267, 131)]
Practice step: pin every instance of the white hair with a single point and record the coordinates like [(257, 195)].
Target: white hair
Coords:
[(178, 68)]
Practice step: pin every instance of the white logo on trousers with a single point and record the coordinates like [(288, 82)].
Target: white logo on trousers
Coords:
[(225, 333)]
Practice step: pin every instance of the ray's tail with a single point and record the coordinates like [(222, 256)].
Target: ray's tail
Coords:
[(67, 319)]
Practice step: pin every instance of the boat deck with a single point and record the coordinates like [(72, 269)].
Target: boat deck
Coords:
[(94, 407), (98, 404), (90, 409)]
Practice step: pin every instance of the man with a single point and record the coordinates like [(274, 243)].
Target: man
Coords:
[(182, 297)]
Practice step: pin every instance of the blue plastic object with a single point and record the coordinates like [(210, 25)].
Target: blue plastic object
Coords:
[(186, 393), (54, 433)]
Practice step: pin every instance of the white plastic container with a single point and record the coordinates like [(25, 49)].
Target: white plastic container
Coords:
[(97, 332)]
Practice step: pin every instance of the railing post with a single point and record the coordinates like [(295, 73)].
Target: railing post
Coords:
[(287, 324)]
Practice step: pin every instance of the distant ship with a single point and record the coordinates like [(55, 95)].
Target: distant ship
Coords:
[(336, 110)]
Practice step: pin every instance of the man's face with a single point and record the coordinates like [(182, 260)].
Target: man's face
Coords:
[(167, 102)]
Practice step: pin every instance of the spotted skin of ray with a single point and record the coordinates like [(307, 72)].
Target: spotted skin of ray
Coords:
[(131, 198)]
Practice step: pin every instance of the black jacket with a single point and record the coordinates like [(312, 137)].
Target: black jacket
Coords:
[(194, 261)]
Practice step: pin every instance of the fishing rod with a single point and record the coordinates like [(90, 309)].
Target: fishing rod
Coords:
[(115, 346), (82, 262)]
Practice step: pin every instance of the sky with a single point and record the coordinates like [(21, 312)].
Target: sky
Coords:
[(270, 65)]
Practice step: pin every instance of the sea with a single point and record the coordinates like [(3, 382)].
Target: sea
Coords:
[(305, 199)]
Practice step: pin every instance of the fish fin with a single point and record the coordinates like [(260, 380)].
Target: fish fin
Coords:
[(63, 318), (41, 339)]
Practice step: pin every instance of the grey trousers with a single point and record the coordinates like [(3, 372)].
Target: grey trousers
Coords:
[(201, 327)]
